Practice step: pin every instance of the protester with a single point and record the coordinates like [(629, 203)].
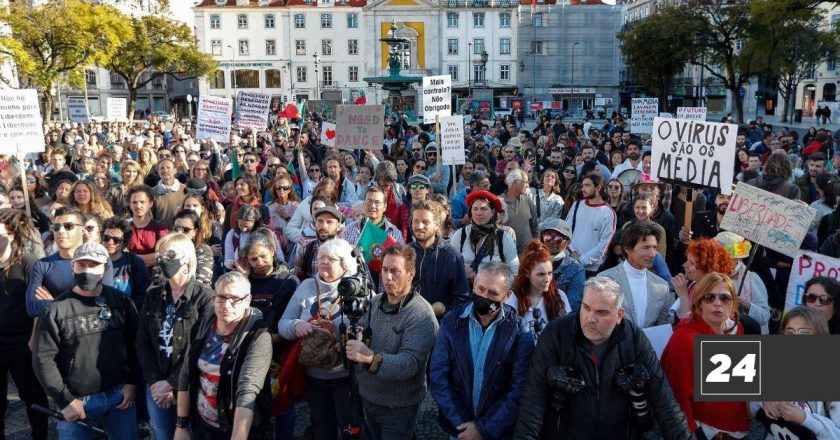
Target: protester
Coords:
[(822, 294), (535, 297), (589, 243), (130, 274), (482, 240)]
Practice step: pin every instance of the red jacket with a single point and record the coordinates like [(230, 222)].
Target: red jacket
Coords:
[(813, 147), (678, 364)]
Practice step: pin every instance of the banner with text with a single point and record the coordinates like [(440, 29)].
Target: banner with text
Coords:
[(643, 112), (437, 97), (692, 113), (213, 120), (768, 219), (77, 110), (699, 153), (252, 110), (328, 134), (807, 265), (117, 109), (452, 140), (21, 126), (359, 126)]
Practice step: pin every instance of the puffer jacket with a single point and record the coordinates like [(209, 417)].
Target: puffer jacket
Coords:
[(601, 410)]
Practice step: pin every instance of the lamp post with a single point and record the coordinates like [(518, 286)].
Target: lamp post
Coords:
[(484, 57), (469, 74), (317, 60), (233, 69)]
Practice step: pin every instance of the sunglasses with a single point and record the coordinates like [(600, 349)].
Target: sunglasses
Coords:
[(249, 161), (284, 187), (554, 237), (419, 167), (115, 240), (104, 312), (538, 324), (613, 187), (183, 229), (273, 165), (568, 171), (724, 298), (824, 300), (68, 226), (801, 331), (100, 178), (31, 180), (431, 153), (90, 228), (418, 186), (314, 170)]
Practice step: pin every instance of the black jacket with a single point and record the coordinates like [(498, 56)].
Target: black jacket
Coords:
[(601, 410), (196, 301), (271, 293), (15, 323)]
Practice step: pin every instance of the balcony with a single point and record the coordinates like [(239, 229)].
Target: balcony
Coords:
[(404, 72), (477, 3)]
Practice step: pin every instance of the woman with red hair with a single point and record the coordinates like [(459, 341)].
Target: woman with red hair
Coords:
[(536, 297), (703, 256)]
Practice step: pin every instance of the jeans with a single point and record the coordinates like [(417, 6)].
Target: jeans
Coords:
[(330, 406), (101, 409), (19, 365), (162, 420), (384, 423)]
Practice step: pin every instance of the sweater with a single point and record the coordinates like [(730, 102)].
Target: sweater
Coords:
[(521, 216), (404, 339), (167, 205), (593, 227)]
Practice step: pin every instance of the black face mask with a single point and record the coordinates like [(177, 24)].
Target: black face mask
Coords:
[(88, 281), (484, 306), (169, 267)]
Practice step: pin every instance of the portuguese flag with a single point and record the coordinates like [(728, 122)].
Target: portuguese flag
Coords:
[(373, 242)]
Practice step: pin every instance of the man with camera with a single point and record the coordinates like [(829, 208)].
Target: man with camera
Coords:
[(594, 375), (402, 327)]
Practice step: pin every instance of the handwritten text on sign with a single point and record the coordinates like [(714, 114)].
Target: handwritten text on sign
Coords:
[(21, 129), (768, 219), (359, 126), (807, 265), (117, 109), (644, 110), (252, 110), (77, 109), (437, 97), (213, 120), (700, 153), (692, 113), (452, 140)]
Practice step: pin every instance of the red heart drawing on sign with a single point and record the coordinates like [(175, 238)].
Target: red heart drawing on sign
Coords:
[(330, 134)]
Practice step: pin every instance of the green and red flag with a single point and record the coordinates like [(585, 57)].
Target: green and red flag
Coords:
[(234, 170), (373, 242)]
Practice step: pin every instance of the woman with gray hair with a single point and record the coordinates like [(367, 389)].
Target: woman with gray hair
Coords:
[(327, 389)]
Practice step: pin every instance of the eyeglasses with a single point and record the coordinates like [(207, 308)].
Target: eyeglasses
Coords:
[(824, 300), (116, 240), (374, 202), (801, 331), (724, 298), (538, 324), (554, 237), (90, 228), (284, 187), (314, 170), (104, 312), (68, 226), (431, 153), (415, 150), (234, 301), (183, 229), (615, 187), (100, 178), (200, 169), (418, 186)]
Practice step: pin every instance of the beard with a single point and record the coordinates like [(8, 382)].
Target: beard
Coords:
[(324, 236), (589, 196), (721, 209), (634, 157)]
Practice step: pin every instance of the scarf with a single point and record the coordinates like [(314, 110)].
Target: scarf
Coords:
[(483, 237), (163, 189)]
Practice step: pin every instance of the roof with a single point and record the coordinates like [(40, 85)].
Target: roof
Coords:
[(232, 4)]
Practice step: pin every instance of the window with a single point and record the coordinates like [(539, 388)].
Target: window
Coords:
[(326, 47), (831, 64), (478, 73), (504, 72), (452, 46), (538, 20), (272, 79), (541, 47), (452, 19), (352, 20), (216, 46), (326, 21), (300, 47), (300, 21), (90, 78), (478, 19), (215, 22), (739, 44), (269, 21), (301, 74), (270, 47), (243, 47), (504, 19), (242, 21), (478, 46), (453, 72), (326, 76), (217, 80), (353, 47), (353, 73), (810, 71), (247, 78), (117, 81), (504, 46)]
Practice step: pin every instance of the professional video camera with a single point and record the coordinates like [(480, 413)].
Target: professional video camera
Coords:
[(354, 293)]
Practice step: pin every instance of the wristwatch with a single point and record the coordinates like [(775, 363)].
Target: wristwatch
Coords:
[(182, 422)]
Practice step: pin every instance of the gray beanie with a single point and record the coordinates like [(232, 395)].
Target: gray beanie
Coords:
[(385, 170)]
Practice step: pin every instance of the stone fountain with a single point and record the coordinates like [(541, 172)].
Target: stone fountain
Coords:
[(395, 83)]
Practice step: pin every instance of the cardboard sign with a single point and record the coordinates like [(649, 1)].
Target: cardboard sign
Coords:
[(807, 265), (21, 126), (117, 109), (699, 153), (437, 97), (252, 110), (213, 119), (452, 140), (644, 110), (359, 126), (768, 219), (328, 134), (692, 113), (77, 110)]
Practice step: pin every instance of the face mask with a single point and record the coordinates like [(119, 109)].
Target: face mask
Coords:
[(484, 306), (88, 281), (169, 267)]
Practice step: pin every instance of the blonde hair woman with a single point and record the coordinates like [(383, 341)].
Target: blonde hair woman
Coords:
[(87, 199), (131, 173), (147, 159)]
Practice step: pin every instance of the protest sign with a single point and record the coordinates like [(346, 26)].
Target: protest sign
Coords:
[(77, 110), (452, 140), (117, 109), (692, 113), (698, 153), (665, 115), (659, 337), (644, 110), (359, 126), (328, 134), (21, 129), (437, 97), (807, 265), (252, 110), (768, 219), (213, 120)]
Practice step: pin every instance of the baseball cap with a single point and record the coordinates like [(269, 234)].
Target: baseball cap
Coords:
[(91, 251), (331, 210), (558, 225)]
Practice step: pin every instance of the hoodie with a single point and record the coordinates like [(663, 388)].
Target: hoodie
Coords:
[(441, 275)]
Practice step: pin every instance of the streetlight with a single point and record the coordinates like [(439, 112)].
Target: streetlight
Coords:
[(317, 60), (469, 74), (484, 57), (234, 69), (189, 107)]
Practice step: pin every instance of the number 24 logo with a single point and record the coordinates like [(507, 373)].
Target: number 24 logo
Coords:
[(745, 368)]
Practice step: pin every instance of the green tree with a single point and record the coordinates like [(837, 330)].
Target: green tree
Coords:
[(52, 43), (160, 47)]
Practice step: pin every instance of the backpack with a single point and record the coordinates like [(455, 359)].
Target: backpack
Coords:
[(499, 240)]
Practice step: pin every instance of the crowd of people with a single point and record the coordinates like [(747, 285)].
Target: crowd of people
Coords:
[(206, 289)]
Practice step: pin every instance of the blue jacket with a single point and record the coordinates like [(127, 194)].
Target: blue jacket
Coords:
[(451, 372), (570, 277), (440, 274), (459, 207)]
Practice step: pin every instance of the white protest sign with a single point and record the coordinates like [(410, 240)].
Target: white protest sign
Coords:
[(807, 265), (437, 97), (699, 153), (21, 129), (692, 113), (77, 110), (117, 109), (643, 112), (213, 120), (765, 218), (452, 140), (659, 337), (359, 126), (665, 115), (252, 110), (328, 134)]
